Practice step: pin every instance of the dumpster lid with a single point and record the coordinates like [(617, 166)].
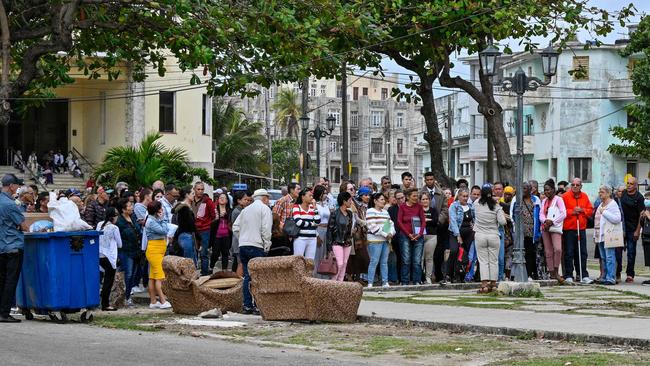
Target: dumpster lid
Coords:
[(63, 234)]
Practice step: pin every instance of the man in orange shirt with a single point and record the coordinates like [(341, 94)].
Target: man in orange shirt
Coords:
[(578, 208)]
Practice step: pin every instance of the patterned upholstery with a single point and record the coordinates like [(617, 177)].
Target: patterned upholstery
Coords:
[(284, 290), (184, 291)]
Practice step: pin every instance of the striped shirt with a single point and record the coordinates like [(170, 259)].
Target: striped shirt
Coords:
[(376, 220), (307, 221)]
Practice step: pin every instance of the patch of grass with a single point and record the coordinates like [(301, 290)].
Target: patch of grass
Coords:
[(588, 359), (414, 347), (130, 322), (536, 293), (485, 302), (300, 339), (527, 336)]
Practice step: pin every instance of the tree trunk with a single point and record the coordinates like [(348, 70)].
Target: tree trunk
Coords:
[(432, 134), (505, 163)]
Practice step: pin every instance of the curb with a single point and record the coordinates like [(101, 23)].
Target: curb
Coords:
[(513, 332), (449, 286)]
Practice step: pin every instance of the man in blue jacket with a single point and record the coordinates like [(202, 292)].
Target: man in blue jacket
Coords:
[(12, 225)]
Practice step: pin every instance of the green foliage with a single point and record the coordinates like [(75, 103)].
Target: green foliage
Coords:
[(635, 137), (286, 162), (150, 161), (288, 111), (237, 141)]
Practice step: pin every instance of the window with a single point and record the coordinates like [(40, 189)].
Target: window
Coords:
[(206, 115), (102, 116), (554, 167), (338, 91), (336, 114), (312, 90), (269, 92), (580, 168), (581, 68), (400, 146), (323, 89), (334, 145), (296, 88), (365, 92), (335, 175), (530, 71), (355, 93), (354, 119), (166, 111), (528, 125), (377, 145), (632, 168), (384, 93), (376, 118), (400, 120), (630, 67), (354, 146), (310, 145)]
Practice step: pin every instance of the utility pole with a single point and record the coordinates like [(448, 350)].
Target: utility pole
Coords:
[(450, 119), (345, 135), (268, 135), (490, 158), (388, 147), (303, 134)]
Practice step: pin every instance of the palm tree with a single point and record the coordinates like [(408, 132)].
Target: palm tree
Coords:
[(150, 161), (288, 111), (236, 139)]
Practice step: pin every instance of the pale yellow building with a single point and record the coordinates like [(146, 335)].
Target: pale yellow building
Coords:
[(92, 116)]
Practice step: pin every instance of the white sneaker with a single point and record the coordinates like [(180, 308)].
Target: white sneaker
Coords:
[(369, 285), (166, 305), (385, 285), (155, 306), (429, 280), (587, 280), (568, 280), (129, 303)]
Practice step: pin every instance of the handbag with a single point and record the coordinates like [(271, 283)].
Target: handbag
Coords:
[(553, 213), (291, 229), (613, 235), (328, 266)]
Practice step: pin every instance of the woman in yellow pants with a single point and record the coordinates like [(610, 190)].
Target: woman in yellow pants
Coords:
[(156, 230)]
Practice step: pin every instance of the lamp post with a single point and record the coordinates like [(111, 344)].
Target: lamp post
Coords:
[(317, 133), (304, 124), (519, 84)]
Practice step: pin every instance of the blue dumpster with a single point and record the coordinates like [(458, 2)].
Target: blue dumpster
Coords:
[(60, 274)]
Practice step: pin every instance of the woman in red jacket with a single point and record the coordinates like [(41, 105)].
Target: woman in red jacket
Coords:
[(411, 222)]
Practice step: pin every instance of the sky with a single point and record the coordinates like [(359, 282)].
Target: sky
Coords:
[(642, 6)]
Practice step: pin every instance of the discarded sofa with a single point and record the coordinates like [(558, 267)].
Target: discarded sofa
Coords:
[(190, 294), (284, 290)]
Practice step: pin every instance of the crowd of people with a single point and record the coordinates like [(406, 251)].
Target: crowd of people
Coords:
[(49, 164), (378, 234)]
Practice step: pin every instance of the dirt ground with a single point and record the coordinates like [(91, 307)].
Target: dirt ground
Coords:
[(383, 344)]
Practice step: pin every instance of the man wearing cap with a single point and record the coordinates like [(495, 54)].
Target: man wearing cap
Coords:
[(253, 228), (96, 210), (12, 225)]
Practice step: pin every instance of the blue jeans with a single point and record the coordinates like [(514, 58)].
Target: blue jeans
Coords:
[(378, 253), (246, 253), (392, 267), (411, 252), (129, 266), (608, 261), (630, 243), (186, 241), (571, 253), (205, 247), (502, 255), (472, 259)]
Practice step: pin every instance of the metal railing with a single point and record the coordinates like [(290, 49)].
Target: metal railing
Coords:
[(32, 175), (79, 156)]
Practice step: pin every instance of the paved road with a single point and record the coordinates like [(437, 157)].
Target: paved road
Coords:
[(43, 343)]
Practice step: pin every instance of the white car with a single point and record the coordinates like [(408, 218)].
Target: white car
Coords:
[(275, 194)]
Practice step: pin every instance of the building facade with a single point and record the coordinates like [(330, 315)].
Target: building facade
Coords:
[(566, 124)]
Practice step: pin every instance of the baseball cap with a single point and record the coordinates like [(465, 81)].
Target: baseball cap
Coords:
[(364, 191), (72, 192), (509, 190), (9, 179)]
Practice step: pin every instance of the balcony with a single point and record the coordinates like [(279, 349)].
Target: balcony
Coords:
[(378, 157), (620, 89)]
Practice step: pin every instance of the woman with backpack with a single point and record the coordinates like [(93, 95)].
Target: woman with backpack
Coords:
[(489, 217), (109, 242), (551, 217), (461, 236), (307, 219)]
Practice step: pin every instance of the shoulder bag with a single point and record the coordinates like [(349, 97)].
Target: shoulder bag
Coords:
[(613, 234), (554, 212), (290, 227), (328, 265)]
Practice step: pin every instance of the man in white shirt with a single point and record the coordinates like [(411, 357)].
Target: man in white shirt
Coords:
[(253, 228)]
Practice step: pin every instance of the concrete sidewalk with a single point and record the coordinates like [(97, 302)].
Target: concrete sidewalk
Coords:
[(599, 329)]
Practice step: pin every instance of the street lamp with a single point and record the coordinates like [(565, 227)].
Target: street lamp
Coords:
[(317, 133), (519, 84)]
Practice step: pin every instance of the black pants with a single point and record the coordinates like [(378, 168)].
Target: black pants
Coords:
[(439, 254), (235, 263), (451, 267), (10, 265), (398, 256), (221, 248), (530, 253), (109, 278)]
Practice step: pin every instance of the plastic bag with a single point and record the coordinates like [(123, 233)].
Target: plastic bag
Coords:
[(65, 214), (40, 226)]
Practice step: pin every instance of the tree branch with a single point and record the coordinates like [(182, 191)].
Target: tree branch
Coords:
[(459, 83), (6, 44), (24, 34)]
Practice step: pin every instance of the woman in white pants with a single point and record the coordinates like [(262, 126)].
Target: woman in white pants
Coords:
[(488, 217), (307, 219), (430, 235)]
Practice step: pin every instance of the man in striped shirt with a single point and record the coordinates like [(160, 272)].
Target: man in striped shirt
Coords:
[(284, 206)]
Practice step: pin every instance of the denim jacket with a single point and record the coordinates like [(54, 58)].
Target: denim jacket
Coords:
[(156, 228), (456, 217), (537, 204)]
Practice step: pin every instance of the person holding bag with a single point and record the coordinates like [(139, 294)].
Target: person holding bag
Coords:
[(109, 243), (608, 233), (339, 234), (552, 217), (380, 232)]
